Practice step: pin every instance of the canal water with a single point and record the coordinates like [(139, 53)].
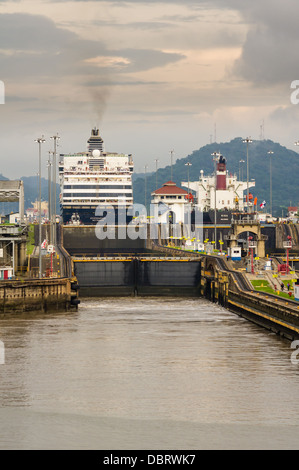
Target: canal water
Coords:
[(146, 373)]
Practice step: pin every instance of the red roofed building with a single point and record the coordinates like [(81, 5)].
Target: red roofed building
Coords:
[(292, 211), (170, 189), (171, 201)]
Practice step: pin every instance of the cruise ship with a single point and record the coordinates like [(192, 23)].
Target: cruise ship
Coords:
[(94, 182)]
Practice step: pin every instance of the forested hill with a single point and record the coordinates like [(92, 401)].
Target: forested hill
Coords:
[(285, 166)]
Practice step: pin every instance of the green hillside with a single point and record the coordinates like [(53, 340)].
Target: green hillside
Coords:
[(285, 166)]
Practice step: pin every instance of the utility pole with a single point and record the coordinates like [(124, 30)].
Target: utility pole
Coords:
[(247, 141), (188, 164), (40, 141), (50, 198), (145, 195), (55, 138), (240, 163), (216, 157), (270, 153), (157, 161), (171, 162)]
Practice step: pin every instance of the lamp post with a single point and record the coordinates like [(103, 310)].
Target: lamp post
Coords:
[(288, 245), (251, 246), (37, 190), (215, 156), (50, 198), (40, 141), (247, 141), (270, 153), (55, 138), (188, 164), (240, 163), (157, 161), (171, 156), (145, 195)]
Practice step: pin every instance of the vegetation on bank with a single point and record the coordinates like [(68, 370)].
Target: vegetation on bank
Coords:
[(262, 285), (30, 240)]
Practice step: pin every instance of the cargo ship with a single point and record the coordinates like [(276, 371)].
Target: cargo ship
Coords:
[(95, 184)]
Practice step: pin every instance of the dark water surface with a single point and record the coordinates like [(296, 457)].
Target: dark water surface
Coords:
[(146, 373)]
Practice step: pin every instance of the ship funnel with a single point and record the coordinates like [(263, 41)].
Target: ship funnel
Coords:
[(95, 141), (221, 174)]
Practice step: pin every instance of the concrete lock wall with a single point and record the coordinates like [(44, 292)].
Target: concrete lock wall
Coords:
[(36, 296), (281, 319)]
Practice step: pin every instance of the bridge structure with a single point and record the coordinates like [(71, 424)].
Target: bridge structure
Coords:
[(13, 191), (13, 237)]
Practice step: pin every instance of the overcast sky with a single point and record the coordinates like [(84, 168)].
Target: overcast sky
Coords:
[(153, 76)]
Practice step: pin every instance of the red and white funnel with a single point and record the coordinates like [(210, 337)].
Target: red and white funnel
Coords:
[(221, 174)]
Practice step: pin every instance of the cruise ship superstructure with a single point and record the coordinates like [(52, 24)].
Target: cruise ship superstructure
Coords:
[(93, 182)]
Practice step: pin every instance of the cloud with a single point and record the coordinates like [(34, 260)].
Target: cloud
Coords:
[(269, 53), (289, 115), (33, 46)]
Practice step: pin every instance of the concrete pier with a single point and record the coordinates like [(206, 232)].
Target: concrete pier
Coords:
[(45, 296)]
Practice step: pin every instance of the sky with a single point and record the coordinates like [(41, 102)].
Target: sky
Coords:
[(154, 77)]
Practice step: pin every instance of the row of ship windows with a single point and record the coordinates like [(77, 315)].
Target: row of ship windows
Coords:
[(172, 197), (97, 186), (97, 201), (93, 195)]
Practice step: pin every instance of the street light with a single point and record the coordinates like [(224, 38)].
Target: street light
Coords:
[(247, 141), (171, 155), (188, 164), (216, 157), (240, 163), (40, 141), (55, 138), (157, 161), (145, 196), (50, 197), (270, 153)]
